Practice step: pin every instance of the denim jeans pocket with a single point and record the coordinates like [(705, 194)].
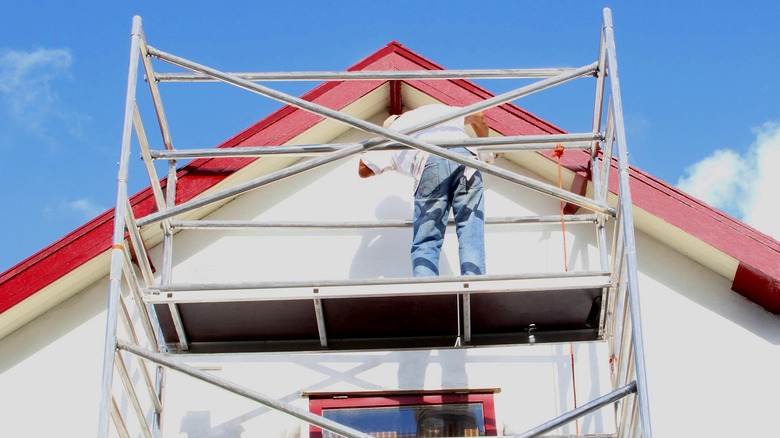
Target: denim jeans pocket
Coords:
[(429, 181), (473, 183)]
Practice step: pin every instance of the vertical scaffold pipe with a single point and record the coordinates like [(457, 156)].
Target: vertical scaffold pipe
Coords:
[(628, 229), (115, 275)]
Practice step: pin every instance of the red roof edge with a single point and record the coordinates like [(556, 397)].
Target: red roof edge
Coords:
[(21, 280), (758, 287), (759, 255), (93, 238)]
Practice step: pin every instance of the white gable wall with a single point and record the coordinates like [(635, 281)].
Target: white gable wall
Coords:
[(50, 369), (711, 354)]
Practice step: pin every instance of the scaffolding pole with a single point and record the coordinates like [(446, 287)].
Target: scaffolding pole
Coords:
[(481, 144), (628, 227), (581, 411), (386, 134), (370, 75), (400, 223), (617, 278), (270, 402), (115, 275)]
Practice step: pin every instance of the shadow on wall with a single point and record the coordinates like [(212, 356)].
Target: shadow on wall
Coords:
[(198, 425), (412, 370), (248, 206), (378, 246), (567, 381), (340, 372)]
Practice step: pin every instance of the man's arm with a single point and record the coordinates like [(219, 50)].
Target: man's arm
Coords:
[(365, 171), (479, 123)]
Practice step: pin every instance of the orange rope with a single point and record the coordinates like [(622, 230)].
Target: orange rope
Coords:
[(558, 153)]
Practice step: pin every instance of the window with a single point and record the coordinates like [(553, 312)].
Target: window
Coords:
[(409, 416)]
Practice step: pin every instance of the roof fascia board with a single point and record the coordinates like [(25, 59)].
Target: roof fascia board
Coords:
[(55, 293)]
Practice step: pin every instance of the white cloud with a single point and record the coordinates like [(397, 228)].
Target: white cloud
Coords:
[(743, 185), (86, 208), (762, 209), (636, 123), (719, 180), (28, 93)]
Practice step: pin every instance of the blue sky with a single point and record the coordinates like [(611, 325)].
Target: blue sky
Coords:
[(700, 83)]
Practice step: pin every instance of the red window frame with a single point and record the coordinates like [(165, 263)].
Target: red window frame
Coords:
[(317, 404)]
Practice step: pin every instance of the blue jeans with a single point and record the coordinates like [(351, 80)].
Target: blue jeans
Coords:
[(443, 186)]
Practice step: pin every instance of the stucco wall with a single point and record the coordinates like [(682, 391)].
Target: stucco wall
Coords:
[(711, 355), (50, 370)]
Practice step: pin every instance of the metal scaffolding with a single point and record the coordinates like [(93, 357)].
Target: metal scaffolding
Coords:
[(616, 281)]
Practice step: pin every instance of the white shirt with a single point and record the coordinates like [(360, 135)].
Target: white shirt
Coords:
[(411, 162)]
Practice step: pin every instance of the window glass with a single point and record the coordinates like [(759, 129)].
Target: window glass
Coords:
[(409, 415), (446, 420)]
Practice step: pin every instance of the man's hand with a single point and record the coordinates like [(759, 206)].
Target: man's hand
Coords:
[(479, 123), (364, 171)]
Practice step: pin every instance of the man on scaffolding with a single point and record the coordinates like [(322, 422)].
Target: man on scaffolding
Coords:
[(439, 185)]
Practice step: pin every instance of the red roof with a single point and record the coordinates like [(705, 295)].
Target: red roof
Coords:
[(757, 277)]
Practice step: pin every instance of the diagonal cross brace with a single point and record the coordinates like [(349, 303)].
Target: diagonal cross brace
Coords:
[(400, 137)]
